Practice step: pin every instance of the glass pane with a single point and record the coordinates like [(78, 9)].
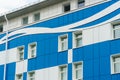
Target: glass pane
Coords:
[(117, 59), (64, 45), (37, 17), (78, 66), (117, 33), (116, 26), (78, 74), (63, 68), (25, 20), (63, 76), (1, 28), (81, 3), (117, 67), (78, 42), (66, 7)]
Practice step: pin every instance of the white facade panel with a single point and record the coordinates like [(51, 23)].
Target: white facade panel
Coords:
[(21, 67), (105, 32), (96, 34), (87, 36), (2, 57), (70, 55), (47, 74), (74, 4), (89, 2), (39, 74), (12, 55), (53, 73)]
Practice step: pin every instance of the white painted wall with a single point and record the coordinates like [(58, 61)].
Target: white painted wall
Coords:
[(47, 12)]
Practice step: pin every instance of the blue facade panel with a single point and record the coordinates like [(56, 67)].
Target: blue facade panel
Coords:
[(1, 72)]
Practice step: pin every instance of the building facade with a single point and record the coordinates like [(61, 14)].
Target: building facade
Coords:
[(61, 40)]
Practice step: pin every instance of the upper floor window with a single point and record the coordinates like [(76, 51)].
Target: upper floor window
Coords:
[(37, 17), (31, 76), (66, 7), (63, 42), (32, 50), (81, 3), (25, 20), (116, 31), (77, 39), (19, 77), (20, 51), (78, 71), (63, 73), (115, 62), (1, 28)]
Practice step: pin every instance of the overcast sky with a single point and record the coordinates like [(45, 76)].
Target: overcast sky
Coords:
[(7, 5)]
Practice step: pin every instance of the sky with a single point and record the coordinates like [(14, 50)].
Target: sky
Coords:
[(7, 5)]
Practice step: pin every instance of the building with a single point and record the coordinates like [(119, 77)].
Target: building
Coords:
[(61, 40)]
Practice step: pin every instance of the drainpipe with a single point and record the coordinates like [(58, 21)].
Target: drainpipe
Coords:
[(6, 46)]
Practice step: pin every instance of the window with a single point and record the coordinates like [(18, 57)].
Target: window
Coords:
[(37, 17), (116, 31), (63, 43), (81, 3), (63, 73), (66, 7), (32, 50), (25, 20), (77, 39), (20, 51), (19, 77), (31, 76), (78, 71), (115, 67), (1, 28)]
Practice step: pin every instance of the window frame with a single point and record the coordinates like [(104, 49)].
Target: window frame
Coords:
[(27, 20), (29, 50), (34, 19), (28, 75), (112, 63), (16, 77), (74, 39), (74, 70), (60, 42), (63, 71), (1, 27), (66, 4), (18, 53), (113, 25), (82, 2)]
